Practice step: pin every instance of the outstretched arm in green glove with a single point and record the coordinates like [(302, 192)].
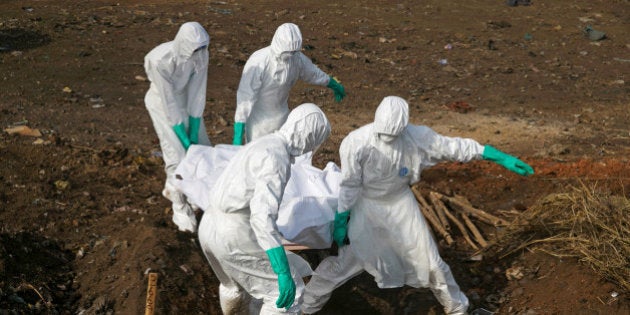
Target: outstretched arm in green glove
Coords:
[(286, 286), (511, 163), (340, 230), (193, 129), (337, 88), (239, 127), (180, 131)]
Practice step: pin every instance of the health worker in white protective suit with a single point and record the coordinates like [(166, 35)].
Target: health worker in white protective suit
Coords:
[(178, 71), (238, 232), (388, 236), (268, 76)]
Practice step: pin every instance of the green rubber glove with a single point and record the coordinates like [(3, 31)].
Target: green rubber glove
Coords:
[(511, 163), (337, 88), (239, 127), (193, 129), (180, 131), (340, 230), (286, 286)]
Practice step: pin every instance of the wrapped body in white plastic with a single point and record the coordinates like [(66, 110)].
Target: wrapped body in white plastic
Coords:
[(178, 72), (389, 237), (267, 79), (239, 225), (307, 208)]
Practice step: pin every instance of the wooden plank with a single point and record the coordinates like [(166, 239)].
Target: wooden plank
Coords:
[(151, 294)]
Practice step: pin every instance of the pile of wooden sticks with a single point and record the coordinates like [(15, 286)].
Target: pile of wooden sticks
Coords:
[(442, 210)]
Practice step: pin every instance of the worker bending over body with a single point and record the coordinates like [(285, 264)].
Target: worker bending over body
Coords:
[(238, 233), (178, 71)]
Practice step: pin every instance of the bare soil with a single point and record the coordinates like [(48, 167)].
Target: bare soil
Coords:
[(82, 220)]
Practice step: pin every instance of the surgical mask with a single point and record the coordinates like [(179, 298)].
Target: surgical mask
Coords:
[(386, 138), (285, 56)]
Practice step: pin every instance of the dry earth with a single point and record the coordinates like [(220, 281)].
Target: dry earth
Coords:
[(82, 220)]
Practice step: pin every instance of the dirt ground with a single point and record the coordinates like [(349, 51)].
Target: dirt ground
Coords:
[(83, 220)]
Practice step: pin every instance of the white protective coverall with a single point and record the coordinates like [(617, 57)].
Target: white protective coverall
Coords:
[(389, 237), (267, 79), (240, 223), (178, 73)]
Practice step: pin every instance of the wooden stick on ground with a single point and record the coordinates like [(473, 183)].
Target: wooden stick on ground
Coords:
[(429, 211), (476, 234), (421, 199), (294, 247), (459, 224), (151, 294), (440, 212), (429, 214), (437, 226), (463, 206)]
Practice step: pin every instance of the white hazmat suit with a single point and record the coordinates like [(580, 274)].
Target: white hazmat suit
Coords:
[(268, 76), (389, 237), (239, 226), (178, 71)]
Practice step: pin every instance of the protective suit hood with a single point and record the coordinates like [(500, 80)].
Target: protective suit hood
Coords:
[(392, 116), (191, 35), (305, 129), (287, 38)]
